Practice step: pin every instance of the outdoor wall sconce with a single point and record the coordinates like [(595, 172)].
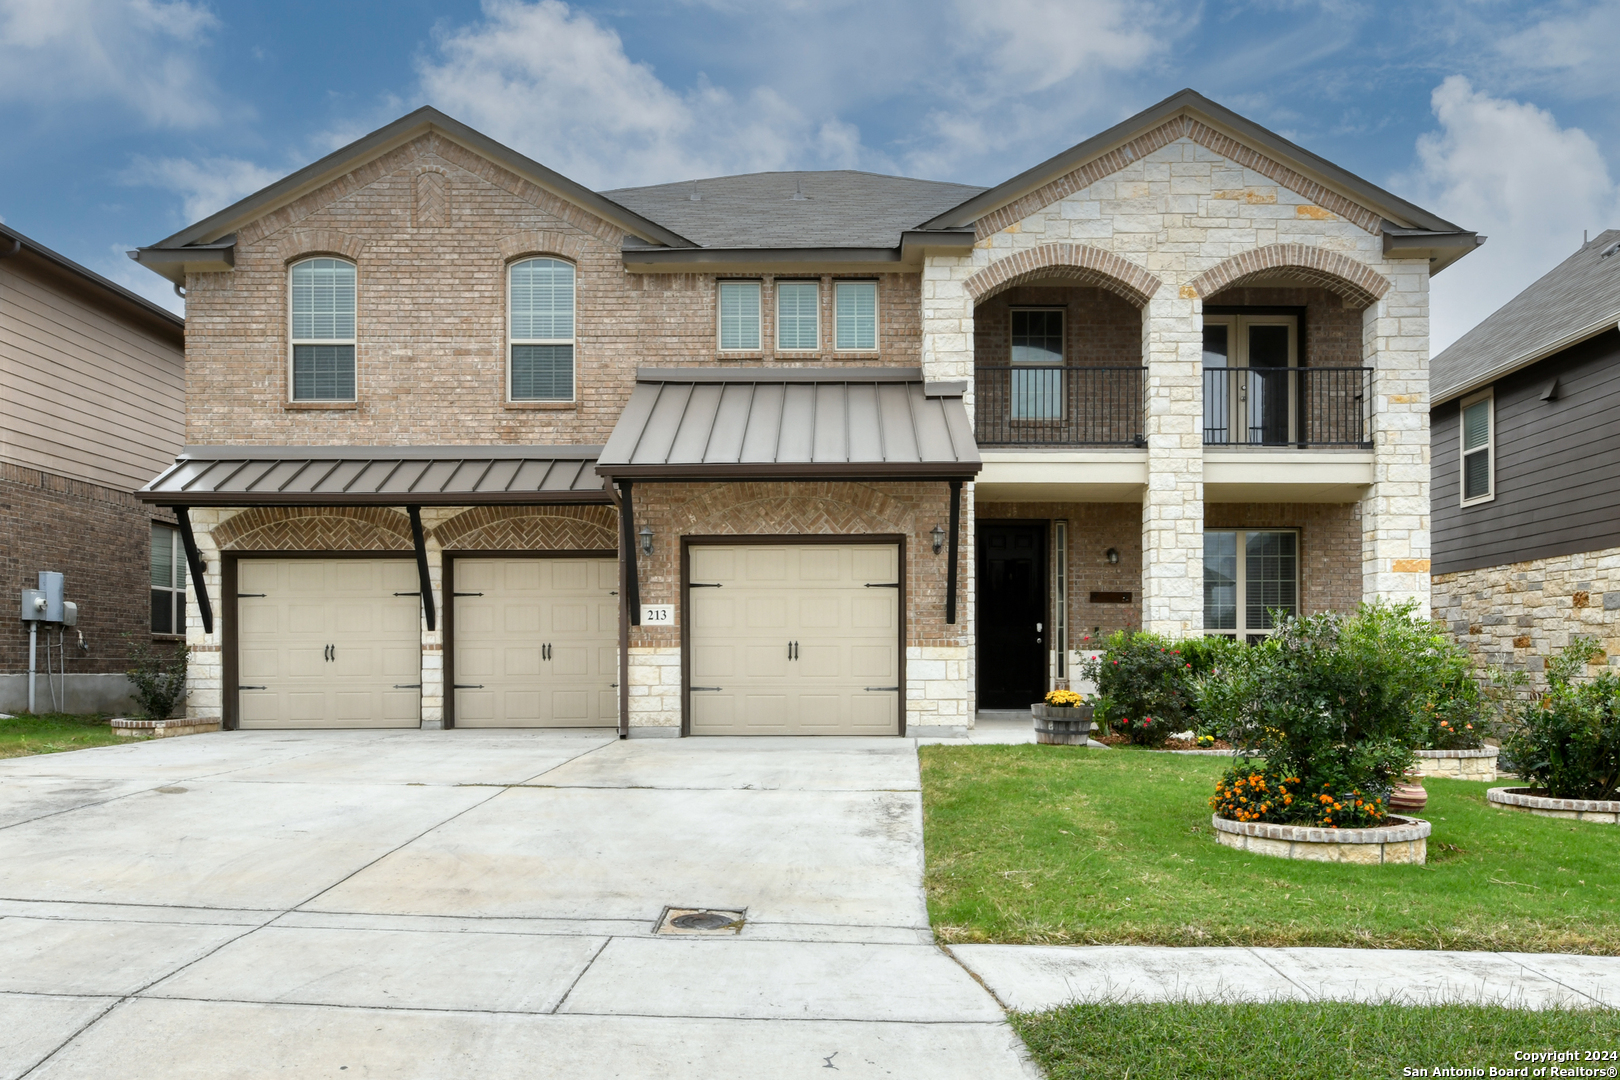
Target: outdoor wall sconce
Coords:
[(646, 539), (1112, 555), (939, 538)]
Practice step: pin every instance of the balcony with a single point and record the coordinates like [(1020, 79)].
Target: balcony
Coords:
[(1065, 405), (1304, 407)]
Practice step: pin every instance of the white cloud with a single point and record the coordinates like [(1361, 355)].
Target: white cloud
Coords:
[(143, 53), (558, 86), (1572, 51), (1507, 170), (204, 185)]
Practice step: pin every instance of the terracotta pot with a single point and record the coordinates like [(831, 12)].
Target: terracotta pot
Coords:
[(1408, 796)]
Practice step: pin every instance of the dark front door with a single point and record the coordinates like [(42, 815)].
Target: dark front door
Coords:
[(1012, 613)]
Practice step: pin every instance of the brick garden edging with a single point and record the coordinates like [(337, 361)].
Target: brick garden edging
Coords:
[(1603, 811), (163, 729), (1459, 764), (1404, 840)]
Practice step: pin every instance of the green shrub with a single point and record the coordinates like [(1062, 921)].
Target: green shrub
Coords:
[(1340, 703), (159, 677), (1144, 686), (1454, 710), (1566, 740)]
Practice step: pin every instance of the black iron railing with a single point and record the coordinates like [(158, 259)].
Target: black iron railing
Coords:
[(1058, 406), (1303, 407)]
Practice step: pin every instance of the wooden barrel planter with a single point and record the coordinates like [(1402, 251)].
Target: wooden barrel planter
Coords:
[(1603, 811), (1403, 840), (1056, 726), (1459, 764)]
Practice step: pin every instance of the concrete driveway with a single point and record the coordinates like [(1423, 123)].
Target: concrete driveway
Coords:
[(475, 904)]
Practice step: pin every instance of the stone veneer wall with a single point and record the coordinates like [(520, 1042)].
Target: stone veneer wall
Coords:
[(1192, 212), (1516, 614), (939, 677)]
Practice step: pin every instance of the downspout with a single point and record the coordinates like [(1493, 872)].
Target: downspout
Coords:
[(429, 611), (950, 570), (195, 564)]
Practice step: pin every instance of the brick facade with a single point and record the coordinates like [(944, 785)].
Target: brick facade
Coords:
[(1099, 328), (1329, 546), (101, 539), (1093, 529)]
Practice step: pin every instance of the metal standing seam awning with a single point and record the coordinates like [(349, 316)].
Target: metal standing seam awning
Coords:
[(754, 423), (408, 476)]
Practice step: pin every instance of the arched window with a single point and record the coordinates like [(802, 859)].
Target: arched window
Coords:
[(541, 333), (322, 330)]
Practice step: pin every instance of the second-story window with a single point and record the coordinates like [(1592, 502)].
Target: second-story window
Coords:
[(323, 314), (739, 316), (1478, 448), (855, 311), (797, 328), (1037, 348), (541, 302)]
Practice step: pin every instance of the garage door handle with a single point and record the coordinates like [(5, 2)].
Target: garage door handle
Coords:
[(876, 688), (407, 686), (467, 686), (253, 688), (240, 595), (711, 688), (704, 585), (882, 584), (452, 594), (417, 593)]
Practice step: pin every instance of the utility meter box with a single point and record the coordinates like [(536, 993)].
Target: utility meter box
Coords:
[(70, 613), (51, 584), (33, 605)]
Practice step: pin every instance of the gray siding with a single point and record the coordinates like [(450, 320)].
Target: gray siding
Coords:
[(1557, 465)]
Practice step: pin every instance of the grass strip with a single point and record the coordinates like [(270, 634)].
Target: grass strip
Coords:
[(1308, 1040), (49, 733), (1069, 845)]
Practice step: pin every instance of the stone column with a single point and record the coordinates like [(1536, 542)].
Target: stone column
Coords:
[(205, 670), (1173, 505), (947, 321), (1395, 510)]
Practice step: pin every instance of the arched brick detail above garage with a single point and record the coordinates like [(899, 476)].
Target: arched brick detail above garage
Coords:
[(504, 528), (1081, 263), (282, 528), (1359, 284)]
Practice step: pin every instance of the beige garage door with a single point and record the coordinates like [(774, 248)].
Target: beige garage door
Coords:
[(795, 640), (327, 643), (536, 642)]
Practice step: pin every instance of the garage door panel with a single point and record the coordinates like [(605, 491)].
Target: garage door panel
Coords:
[(529, 604), (816, 596), (329, 640)]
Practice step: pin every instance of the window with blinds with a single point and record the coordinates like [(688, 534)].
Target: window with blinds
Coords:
[(796, 316), (540, 299), (739, 316), (1478, 448), (855, 313), (323, 336), (1250, 578), (168, 581)]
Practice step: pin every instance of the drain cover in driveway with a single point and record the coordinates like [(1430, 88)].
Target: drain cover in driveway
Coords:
[(680, 920)]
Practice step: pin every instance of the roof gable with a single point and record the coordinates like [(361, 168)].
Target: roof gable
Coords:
[(1189, 114)]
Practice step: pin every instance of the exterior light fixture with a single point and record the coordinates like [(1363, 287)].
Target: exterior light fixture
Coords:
[(939, 538), (1112, 555), (646, 539)]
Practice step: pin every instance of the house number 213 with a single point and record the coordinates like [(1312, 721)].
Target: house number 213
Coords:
[(657, 614)]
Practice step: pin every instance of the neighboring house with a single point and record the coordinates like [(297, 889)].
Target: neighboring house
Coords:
[(819, 452), (1526, 487), (92, 400)]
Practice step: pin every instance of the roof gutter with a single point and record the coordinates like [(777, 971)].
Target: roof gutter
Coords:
[(908, 255), (19, 243), (175, 263), (1440, 247)]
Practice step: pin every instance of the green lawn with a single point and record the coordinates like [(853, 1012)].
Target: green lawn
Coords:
[(1051, 844), (49, 732), (1327, 1040)]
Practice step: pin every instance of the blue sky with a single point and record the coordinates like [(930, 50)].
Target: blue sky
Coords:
[(124, 120)]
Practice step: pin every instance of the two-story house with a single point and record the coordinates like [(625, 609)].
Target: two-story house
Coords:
[(92, 402), (1527, 467), (786, 453)]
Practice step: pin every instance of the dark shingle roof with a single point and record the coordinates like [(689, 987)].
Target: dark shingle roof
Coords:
[(1573, 301), (840, 209)]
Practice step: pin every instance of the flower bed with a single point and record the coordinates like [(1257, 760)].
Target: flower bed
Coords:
[(1527, 800), (1400, 840), (1459, 764), (126, 728)]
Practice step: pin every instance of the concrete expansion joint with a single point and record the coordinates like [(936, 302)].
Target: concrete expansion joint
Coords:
[(974, 975)]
